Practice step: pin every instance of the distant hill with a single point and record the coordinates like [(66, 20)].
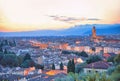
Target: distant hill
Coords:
[(102, 29)]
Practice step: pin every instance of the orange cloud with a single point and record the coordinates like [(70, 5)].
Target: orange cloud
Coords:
[(4, 29)]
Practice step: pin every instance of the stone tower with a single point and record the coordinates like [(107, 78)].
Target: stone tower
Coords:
[(94, 32)]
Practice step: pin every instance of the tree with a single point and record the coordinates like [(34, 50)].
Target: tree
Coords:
[(79, 67), (1, 53), (28, 63), (1, 44), (71, 66), (116, 74), (9, 60), (84, 54), (27, 57), (110, 70), (6, 42), (14, 43), (53, 66), (20, 59), (85, 77), (61, 66), (1, 57), (117, 59), (38, 66), (93, 58), (66, 52), (111, 59), (93, 49), (5, 51), (1, 50)]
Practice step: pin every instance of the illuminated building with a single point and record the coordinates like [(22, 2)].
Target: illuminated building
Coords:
[(63, 46), (94, 37)]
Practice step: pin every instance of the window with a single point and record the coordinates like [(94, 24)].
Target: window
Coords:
[(88, 71), (96, 71)]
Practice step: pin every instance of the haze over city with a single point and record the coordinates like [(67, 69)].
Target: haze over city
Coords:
[(29, 15)]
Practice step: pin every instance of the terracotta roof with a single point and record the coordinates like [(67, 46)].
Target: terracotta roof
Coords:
[(54, 72), (98, 65), (106, 55)]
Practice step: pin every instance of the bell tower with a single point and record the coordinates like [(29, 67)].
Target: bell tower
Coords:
[(94, 32)]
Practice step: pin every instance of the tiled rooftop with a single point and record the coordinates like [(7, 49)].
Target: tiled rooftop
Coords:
[(98, 65)]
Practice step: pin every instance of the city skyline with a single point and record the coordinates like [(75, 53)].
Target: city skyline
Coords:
[(29, 15), (59, 40)]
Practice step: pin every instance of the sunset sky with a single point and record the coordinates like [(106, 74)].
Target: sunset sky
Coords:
[(27, 15)]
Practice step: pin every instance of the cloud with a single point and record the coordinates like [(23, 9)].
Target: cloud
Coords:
[(93, 19), (71, 19)]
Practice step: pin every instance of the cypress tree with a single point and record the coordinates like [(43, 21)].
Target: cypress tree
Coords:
[(1, 50), (14, 42), (5, 51), (68, 67), (53, 66), (27, 57), (6, 42), (1, 44), (61, 66), (73, 66)]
